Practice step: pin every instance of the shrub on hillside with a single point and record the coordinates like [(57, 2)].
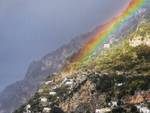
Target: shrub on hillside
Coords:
[(143, 52)]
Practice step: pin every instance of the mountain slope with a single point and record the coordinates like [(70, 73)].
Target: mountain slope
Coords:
[(18, 93), (117, 80)]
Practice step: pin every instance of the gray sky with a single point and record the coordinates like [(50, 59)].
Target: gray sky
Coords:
[(31, 28)]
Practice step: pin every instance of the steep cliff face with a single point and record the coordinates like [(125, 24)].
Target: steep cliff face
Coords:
[(18, 93), (117, 80)]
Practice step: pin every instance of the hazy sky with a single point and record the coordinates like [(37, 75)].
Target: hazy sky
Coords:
[(31, 28)]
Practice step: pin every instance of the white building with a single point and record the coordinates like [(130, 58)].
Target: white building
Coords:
[(52, 93), (40, 91), (27, 108), (119, 84), (55, 87), (46, 110), (98, 111), (44, 101), (106, 46), (83, 78), (48, 82), (113, 104), (69, 82), (103, 110)]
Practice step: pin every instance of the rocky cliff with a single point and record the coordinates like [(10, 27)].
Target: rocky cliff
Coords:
[(18, 93), (117, 80)]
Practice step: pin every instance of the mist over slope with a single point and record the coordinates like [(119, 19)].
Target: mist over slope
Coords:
[(18, 93), (59, 96), (116, 80)]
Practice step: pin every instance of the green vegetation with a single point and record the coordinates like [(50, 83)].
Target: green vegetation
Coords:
[(117, 74), (125, 58)]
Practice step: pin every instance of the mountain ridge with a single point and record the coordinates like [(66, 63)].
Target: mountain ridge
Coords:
[(115, 81), (40, 71), (22, 90)]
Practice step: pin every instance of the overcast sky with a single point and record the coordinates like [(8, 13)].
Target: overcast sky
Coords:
[(29, 29)]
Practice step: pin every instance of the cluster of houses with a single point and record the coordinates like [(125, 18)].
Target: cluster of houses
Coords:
[(142, 109), (73, 82), (140, 99), (139, 41), (69, 82), (113, 104), (44, 102), (27, 109)]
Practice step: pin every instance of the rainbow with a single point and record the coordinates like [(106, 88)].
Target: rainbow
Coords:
[(107, 30), (104, 33)]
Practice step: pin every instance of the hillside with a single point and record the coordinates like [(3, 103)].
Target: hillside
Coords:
[(117, 80), (18, 93)]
